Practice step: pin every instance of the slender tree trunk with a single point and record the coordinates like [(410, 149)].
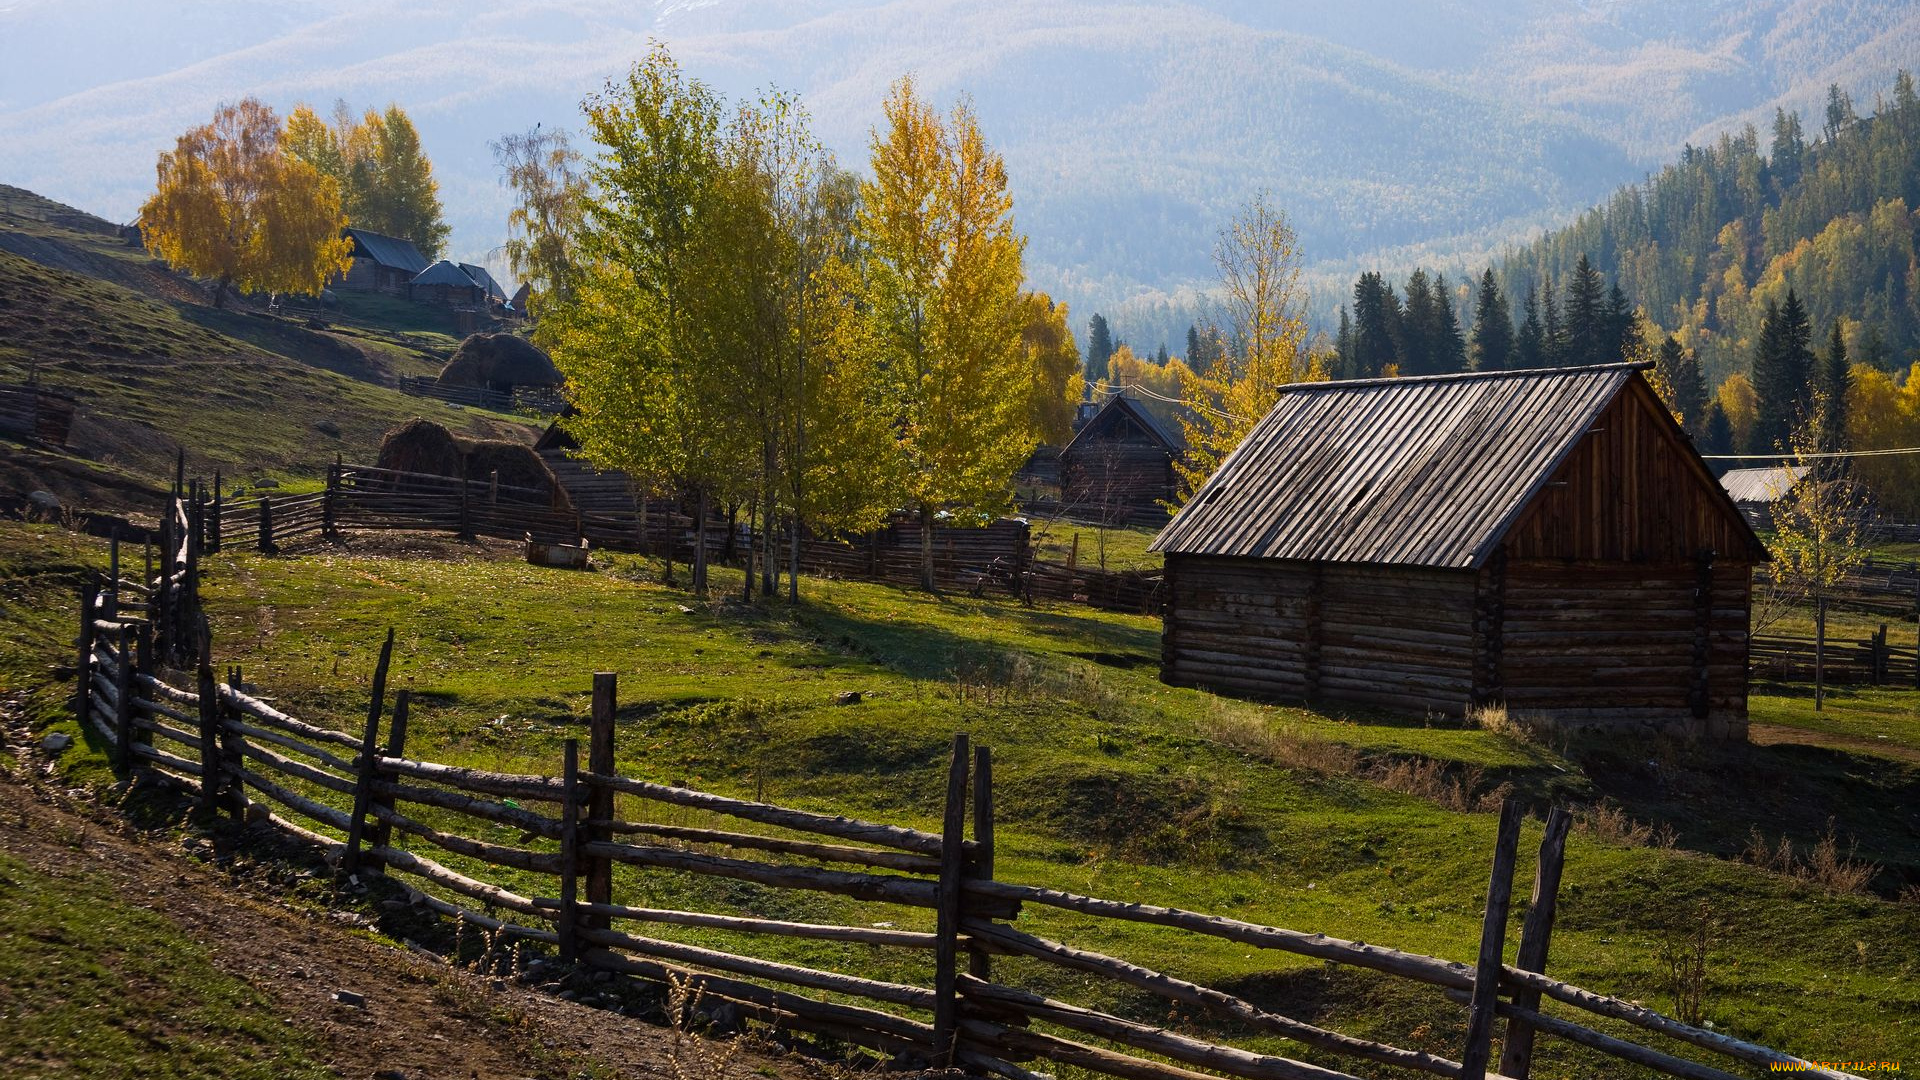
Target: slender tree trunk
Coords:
[(926, 548), (220, 291), (746, 587), (769, 567), (700, 545)]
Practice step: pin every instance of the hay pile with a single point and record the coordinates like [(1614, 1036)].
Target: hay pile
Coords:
[(502, 362), (422, 446)]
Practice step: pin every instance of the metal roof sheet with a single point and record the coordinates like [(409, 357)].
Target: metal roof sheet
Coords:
[(389, 250), (1427, 471), (1761, 485), (445, 273)]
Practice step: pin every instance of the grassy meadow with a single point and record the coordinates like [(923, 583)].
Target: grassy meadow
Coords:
[(1359, 825)]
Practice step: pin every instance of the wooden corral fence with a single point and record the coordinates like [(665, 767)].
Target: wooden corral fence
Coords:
[(995, 558), (359, 796), (1871, 661), (31, 414)]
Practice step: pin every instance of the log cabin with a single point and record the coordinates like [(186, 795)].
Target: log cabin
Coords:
[(1548, 542), (1119, 467), (380, 263), (445, 283)]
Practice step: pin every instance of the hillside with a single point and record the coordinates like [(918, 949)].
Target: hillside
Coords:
[(1827, 208), (1131, 131), (154, 370)]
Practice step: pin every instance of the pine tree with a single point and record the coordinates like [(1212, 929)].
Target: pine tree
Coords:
[(1343, 345), (1620, 332), (1450, 346), (1492, 328), (1840, 115), (1530, 344), (1680, 371), (1161, 357), (1589, 331), (1831, 384), (1782, 373), (1376, 318), (1789, 150), (1718, 437), (1419, 329), (1193, 340), (1554, 344), (1099, 348)]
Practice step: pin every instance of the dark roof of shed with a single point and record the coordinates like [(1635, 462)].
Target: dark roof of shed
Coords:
[(1122, 405), (485, 280), (1427, 471), (387, 250), (446, 273)]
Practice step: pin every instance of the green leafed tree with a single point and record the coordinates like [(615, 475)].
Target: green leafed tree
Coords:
[(1493, 344), (542, 169)]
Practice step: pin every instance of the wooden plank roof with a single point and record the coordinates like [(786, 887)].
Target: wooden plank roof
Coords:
[(392, 251), (1761, 485), (1117, 408), (1427, 471)]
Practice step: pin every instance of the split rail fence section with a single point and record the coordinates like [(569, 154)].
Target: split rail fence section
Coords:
[(996, 558), (371, 806)]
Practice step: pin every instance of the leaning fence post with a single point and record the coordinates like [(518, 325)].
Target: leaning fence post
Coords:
[(113, 574), (83, 671), (1516, 1058), (1493, 940), (212, 779), (233, 749), (946, 954), (327, 500), (396, 747), (979, 964), (369, 746), (568, 924), (123, 699), (599, 868)]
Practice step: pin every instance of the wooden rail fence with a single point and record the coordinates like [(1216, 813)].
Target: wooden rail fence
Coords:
[(443, 829), (996, 558)]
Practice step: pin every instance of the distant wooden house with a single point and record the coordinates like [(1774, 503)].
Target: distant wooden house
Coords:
[(1119, 466), (495, 294), (381, 263), (1547, 541), (446, 283), (1755, 491)]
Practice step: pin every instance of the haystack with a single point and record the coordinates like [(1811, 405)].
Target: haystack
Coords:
[(503, 362), (422, 446)]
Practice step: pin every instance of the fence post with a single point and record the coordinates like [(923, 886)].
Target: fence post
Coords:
[(599, 868), (1493, 940), (267, 546), (83, 671), (143, 646), (396, 747), (213, 533), (113, 574), (326, 501), (211, 778), (946, 951), (1880, 656), (1516, 1059), (369, 745), (466, 516), (979, 964), (233, 758), (123, 700), (570, 853)]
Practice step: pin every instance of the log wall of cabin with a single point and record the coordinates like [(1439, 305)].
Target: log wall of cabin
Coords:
[(1396, 637), (1587, 644), (1125, 477)]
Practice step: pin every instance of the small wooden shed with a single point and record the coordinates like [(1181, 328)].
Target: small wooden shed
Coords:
[(1548, 541), (1755, 491), (1119, 466), (380, 263), (445, 283)]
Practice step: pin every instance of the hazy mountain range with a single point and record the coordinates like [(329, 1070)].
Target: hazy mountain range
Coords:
[(1391, 131)]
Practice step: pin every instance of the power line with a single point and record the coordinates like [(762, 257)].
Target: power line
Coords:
[(1892, 452), (1197, 406)]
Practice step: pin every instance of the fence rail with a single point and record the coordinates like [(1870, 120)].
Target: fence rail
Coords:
[(997, 558), (364, 800)]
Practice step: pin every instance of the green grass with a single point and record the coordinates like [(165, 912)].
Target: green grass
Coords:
[(151, 377), (91, 986), (1123, 548), (1106, 782)]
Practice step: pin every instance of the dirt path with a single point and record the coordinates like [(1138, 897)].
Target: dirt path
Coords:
[(1775, 734), (421, 1019)]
